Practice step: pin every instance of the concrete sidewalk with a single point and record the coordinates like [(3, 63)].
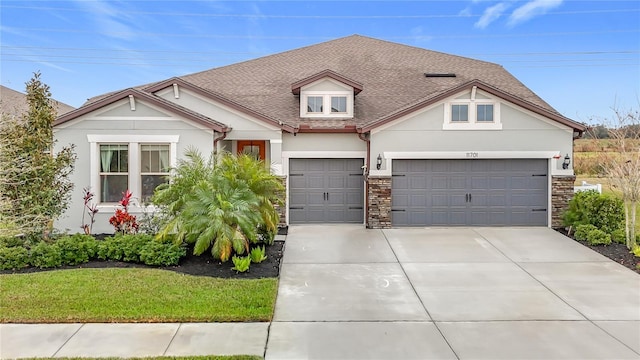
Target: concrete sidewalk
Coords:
[(346, 292), (131, 340)]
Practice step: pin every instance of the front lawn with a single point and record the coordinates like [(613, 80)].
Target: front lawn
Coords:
[(132, 295)]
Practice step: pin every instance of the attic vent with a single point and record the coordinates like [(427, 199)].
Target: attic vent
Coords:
[(438, 75)]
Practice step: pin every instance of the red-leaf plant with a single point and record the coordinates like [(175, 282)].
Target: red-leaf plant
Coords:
[(92, 210), (122, 221)]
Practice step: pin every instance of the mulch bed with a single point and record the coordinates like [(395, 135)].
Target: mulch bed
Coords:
[(616, 252)]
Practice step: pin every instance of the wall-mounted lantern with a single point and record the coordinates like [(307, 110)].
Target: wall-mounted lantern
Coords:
[(379, 162)]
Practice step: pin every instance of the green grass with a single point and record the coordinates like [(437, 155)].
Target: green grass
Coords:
[(132, 295)]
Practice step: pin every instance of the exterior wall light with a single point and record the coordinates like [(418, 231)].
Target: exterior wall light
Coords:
[(379, 162), (566, 162)]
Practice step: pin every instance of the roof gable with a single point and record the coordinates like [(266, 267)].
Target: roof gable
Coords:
[(296, 86), (469, 86), (218, 98), (157, 101)]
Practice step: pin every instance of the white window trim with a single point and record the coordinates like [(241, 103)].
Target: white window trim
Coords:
[(134, 161), (473, 123), (326, 104)]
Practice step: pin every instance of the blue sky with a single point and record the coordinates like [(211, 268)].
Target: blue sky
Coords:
[(582, 57)]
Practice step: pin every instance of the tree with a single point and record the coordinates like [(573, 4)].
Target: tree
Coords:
[(623, 170), (34, 182)]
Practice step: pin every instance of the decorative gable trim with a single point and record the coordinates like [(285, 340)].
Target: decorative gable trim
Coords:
[(577, 127), (296, 86), (132, 95), (178, 82)]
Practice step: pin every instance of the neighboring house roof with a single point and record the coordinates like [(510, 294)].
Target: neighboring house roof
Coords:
[(155, 100), (14, 103), (389, 79)]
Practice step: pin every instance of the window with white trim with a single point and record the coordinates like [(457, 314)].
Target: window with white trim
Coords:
[(479, 114), (326, 104), (114, 171), (154, 168), (138, 163)]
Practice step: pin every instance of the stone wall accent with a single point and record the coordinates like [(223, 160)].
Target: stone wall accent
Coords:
[(282, 209), (379, 211), (561, 193)]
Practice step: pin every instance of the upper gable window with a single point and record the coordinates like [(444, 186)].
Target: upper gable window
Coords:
[(459, 113), (470, 112)]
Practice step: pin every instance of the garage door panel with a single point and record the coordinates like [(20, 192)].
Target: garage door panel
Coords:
[(326, 190), (502, 192)]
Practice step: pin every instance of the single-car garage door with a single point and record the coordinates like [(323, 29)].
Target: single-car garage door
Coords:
[(326, 191), (479, 192)]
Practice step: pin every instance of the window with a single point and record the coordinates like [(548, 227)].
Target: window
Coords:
[(338, 104), (114, 171), (330, 104), (460, 113), (484, 113), (135, 162), (314, 104), (154, 168)]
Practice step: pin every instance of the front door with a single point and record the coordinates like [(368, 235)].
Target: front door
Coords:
[(255, 148)]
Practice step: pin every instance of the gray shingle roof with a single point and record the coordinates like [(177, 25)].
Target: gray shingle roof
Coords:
[(14, 103), (391, 75)]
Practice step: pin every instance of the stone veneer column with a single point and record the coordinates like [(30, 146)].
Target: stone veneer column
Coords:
[(561, 193), (379, 211), (282, 209)]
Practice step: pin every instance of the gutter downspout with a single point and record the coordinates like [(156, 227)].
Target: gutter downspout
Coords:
[(366, 137), (221, 137)]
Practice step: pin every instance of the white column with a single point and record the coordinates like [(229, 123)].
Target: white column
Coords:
[(275, 150)]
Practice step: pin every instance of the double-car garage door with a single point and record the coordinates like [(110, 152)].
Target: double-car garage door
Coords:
[(479, 192), (326, 191)]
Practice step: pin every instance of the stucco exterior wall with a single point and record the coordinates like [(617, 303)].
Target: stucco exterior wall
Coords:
[(322, 142), (130, 125)]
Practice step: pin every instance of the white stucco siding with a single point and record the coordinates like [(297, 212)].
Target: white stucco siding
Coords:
[(244, 127), (134, 129), (322, 142), (521, 131)]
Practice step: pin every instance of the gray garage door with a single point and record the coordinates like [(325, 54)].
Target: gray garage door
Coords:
[(326, 191), (493, 192)]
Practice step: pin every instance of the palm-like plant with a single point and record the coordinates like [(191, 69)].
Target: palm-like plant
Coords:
[(244, 169), (220, 205)]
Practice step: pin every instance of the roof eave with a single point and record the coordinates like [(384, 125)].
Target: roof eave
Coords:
[(577, 127), (207, 122), (296, 86), (219, 98)]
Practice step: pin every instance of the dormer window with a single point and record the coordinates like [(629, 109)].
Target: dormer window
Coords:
[(338, 104), (326, 95), (319, 103), (314, 104)]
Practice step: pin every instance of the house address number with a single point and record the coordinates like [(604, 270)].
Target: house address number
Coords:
[(472, 154)]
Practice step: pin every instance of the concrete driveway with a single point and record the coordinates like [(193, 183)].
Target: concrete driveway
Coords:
[(451, 293)]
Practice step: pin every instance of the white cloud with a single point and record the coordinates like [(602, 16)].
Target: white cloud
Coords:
[(531, 9), (108, 18), (491, 14)]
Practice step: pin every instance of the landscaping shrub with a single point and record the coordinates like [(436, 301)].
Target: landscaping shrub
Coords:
[(123, 247), (582, 231), (12, 241), (618, 236), (45, 255), (157, 253), (598, 237), (589, 207), (13, 258), (76, 249)]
